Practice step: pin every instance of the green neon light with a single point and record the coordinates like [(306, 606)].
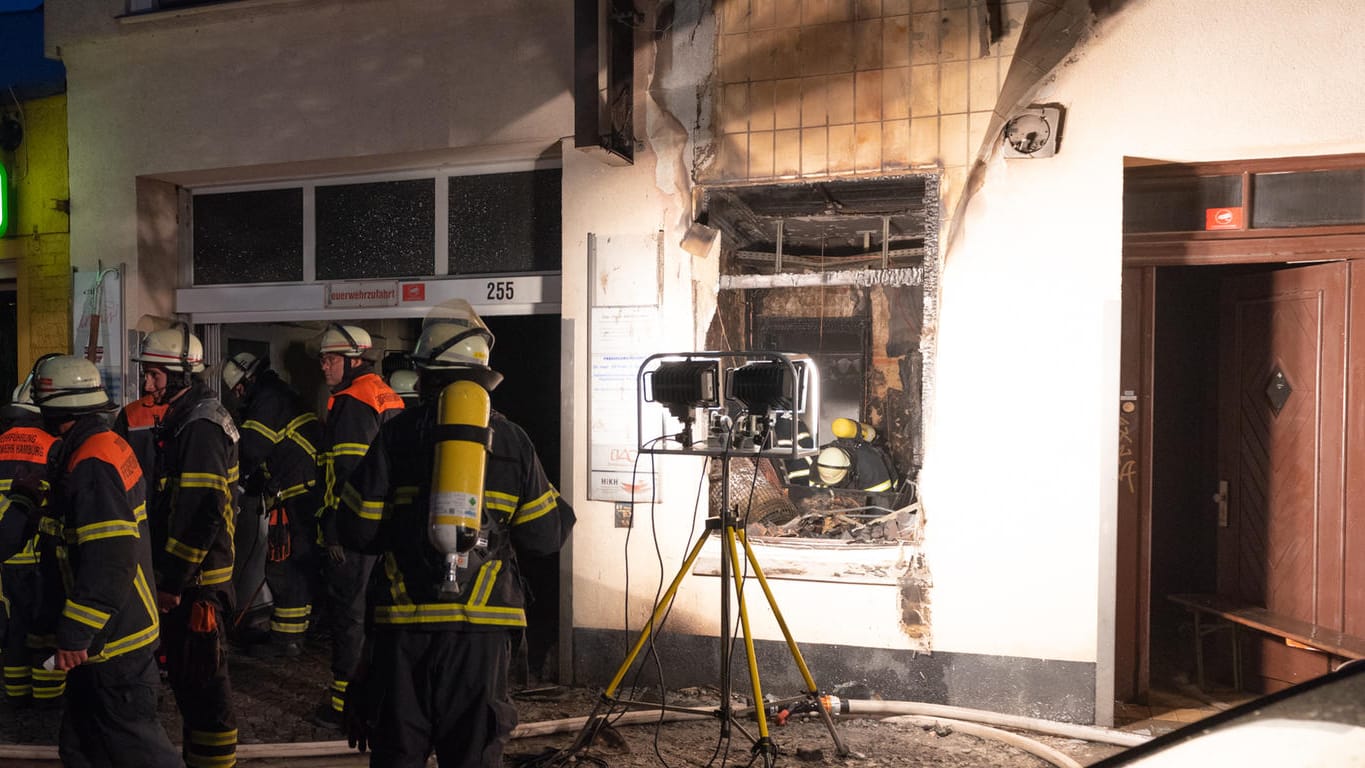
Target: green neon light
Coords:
[(4, 200)]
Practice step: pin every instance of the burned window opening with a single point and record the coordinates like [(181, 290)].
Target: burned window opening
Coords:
[(842, 270)]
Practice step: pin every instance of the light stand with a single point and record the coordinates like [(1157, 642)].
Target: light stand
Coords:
[(764, 383)]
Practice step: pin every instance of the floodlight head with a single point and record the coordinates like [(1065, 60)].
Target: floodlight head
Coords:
[(764, 386), (682, 386)]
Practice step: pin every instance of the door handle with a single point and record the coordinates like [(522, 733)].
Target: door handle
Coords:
[(1221, 499)]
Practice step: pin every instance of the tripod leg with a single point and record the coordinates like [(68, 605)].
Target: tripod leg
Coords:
[(764, 743), (659, 610), (811, 688)]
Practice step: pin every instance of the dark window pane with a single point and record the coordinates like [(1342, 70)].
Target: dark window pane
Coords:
[(376, 229), (1176, 204), (1308, 199), (248, 237), (505, 222)]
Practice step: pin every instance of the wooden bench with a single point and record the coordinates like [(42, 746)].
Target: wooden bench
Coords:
[(1230, 613)]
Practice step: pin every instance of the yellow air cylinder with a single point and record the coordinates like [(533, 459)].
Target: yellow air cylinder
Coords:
[(461, 454), (850, 429)]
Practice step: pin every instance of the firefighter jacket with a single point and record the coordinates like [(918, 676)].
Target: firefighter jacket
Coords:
[(96, 561), (134, 424), (354, 414), (194, 509), (384, 513), (278, 452), (25, 448)]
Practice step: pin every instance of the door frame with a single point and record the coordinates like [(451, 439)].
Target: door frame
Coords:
[(1142, 255)]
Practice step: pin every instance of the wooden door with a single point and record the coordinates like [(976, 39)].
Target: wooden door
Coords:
[(1282, 414)]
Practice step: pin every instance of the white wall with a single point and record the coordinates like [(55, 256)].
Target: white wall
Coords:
[(1019, 481), (316, 85)]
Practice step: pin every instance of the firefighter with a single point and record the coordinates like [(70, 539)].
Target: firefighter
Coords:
[(135, 424), (25, 448), (192, 524), (438, 648), (98, 611), (278, 455), (359, 404)]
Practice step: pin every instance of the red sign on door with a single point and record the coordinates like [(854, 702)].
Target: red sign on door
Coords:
[(1223, 218), (414, 291)]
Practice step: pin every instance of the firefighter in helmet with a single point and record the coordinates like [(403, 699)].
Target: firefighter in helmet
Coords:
[(278, 455), (359, 404), (192, 517), (96, 561), (25, 448), (444, 614)]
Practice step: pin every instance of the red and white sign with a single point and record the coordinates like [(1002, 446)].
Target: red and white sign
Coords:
[(1223, 218), (367, 293), (414, 291)]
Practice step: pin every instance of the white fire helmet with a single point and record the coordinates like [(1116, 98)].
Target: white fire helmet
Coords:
[(69, 383), (175, 349), (403, 382), (453, 336), (23, 394), (345, 340), (240, 366), (833, 465)]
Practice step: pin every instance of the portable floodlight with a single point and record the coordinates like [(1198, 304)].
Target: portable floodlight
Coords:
[(682, 386)]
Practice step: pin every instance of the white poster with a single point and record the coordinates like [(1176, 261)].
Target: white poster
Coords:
[(97, 325), (620, 339)]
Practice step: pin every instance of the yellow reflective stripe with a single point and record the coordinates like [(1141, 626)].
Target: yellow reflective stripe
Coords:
[(446, 613), (539, 507), (91, 617), (185, 551), (364, 508), (293, 613), (214, 738), (266, 432), (398, 589), (885, 485), (126, 644), (291, 431), (144, 593), (503, 502), (106, 530), (210, 761), (295, 490), (483, 584), (288, 627), (349, 449), (405, 494), (205, 480), (215, 576)]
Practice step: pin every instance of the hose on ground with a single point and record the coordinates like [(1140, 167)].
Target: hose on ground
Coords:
[(1031, 746)]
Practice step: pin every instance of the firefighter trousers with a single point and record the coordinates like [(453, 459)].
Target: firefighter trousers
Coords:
[(21, 592), (346, 583), (196, 665), (446, 689), (291, 578), (111, 719)]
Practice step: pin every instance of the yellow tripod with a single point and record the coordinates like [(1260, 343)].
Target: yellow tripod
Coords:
[(730, 568)]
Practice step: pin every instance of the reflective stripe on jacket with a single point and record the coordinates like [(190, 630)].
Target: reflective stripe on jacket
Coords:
[(97, 564), (354, 416), (194, 510), (384, 512)]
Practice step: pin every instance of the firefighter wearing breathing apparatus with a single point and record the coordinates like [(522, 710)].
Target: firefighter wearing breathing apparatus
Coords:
[(278, 455), (192, 517), (98, 610), (359, 404), (25, 448), (450, 495)]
